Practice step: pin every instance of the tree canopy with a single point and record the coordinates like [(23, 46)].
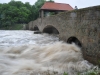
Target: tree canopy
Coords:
[(17, 12)]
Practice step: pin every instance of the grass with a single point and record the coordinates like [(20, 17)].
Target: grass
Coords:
[(65, 73), (13, 27), (94, 71), (17, 27)]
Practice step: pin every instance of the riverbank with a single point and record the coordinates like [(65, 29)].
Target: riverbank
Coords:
[(13, 27)]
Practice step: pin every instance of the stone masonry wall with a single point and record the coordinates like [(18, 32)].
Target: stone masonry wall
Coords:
[(84, 24)]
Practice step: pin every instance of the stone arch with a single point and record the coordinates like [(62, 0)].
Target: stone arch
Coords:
[(35, 28), (75, 40), (50, 29)]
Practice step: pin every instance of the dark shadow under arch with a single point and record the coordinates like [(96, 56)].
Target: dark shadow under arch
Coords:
[(36, 28), (50, 30), (74, 40)]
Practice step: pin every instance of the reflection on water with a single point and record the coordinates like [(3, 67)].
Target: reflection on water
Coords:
[(26, 53)]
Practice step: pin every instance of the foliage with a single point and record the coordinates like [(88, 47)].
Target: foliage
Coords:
[(17, 12), (93, 71), (51, 1), (65, 73)]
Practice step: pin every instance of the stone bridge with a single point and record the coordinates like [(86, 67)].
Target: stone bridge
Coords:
[(83, 24)]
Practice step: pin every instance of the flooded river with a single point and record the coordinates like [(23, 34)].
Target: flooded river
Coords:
[(25, 53)]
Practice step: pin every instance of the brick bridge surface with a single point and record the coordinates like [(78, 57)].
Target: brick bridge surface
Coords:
[(84, 24)]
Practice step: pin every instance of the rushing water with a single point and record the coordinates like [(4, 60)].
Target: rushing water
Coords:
[(26, 53)]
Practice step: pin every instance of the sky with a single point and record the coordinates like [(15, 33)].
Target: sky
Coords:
[(73, 3)]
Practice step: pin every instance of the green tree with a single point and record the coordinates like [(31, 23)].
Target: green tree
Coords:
[(17, 4), (17, 12), (23, 15), (51, 0), (38, 5)]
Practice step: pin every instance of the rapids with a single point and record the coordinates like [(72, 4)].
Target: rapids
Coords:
[(25, 53)]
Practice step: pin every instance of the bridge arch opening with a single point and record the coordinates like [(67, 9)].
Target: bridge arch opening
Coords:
[(73, 39), (36, 28), (50, 30)]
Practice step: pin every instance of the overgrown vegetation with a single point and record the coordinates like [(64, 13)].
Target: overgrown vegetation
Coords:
[(13, 27), (17, 12), (94, 71)]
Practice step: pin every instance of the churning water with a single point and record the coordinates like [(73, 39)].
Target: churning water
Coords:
[(26, 53)]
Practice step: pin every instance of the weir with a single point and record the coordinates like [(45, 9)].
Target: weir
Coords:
[(82, 23)]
